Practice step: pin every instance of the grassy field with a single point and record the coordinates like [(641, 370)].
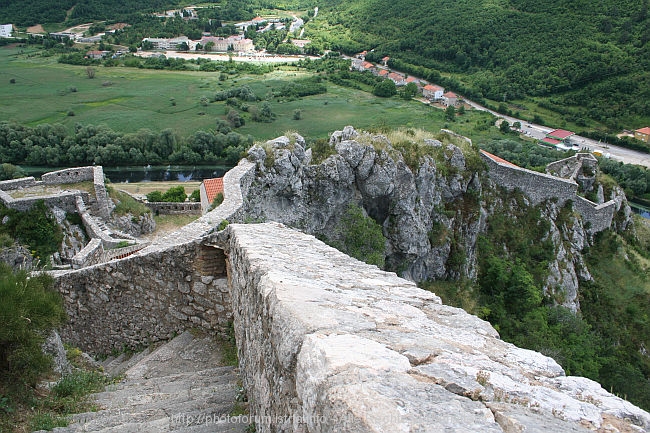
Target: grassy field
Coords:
[(128, 99)]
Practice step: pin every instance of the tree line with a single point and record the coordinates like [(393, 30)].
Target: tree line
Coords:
[(51, 145)]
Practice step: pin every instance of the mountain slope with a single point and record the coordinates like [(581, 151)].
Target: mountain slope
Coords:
[(508, 49)]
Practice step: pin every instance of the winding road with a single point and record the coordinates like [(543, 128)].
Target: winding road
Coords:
[(628, 156)]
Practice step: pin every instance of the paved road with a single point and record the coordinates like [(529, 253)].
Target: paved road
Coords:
[(617, 153)]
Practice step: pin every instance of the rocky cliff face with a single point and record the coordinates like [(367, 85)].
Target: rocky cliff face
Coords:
[(432, 198)]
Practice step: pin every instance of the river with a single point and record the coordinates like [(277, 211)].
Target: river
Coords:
[(132, 174)]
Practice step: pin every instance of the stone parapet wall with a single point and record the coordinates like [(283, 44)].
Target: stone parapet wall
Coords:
[(165, 208), (599, 216), (104, 203), (327, 343), (65, 200), (537, 186), (69, 175), (89, 255)]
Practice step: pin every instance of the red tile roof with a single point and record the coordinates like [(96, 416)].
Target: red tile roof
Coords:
[(383, 72), (450, 95), (551, 141), (560, 134), (385, 59), (368, 65), (645, 130), (432, 88), (411, 80), (497, 159), (395, 76), (213, 187)]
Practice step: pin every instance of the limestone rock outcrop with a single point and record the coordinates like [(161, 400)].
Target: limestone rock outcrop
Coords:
[(366, 170), (432, 207)]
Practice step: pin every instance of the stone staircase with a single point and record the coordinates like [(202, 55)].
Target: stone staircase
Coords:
[(181, 386)]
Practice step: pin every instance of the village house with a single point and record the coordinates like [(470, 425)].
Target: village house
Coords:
[(254, 22), (385, 60), (95, 54), (433, 92), (410, 79), (643, 134), (383, 73), (450, 99), (209, 190), (398, 79), (6, 30), (300, 43)]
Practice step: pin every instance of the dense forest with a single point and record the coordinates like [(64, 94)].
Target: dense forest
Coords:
[(592, 57)]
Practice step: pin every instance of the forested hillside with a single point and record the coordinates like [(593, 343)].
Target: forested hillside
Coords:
[(30, 12), (593, 56)]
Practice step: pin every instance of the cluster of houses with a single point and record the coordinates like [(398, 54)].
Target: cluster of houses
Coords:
[(429, 91), (236, 43)]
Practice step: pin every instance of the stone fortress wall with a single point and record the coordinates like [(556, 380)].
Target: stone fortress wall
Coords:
[(325, 342), (539, 187)]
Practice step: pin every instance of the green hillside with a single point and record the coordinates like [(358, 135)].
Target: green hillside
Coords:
[(588, 58)]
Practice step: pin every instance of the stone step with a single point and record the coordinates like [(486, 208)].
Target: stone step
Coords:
[(175, 412), (134, 394), (178, 386), (127, 363)]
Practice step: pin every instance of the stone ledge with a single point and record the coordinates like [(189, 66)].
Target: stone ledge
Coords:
[(327, 343)]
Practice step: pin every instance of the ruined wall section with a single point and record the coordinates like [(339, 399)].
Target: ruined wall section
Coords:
[(167, 208), (139, 300), (176, 283), (327, 343), (69, 175)]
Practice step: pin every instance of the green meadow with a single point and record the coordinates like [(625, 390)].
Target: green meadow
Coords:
[(128, 99)]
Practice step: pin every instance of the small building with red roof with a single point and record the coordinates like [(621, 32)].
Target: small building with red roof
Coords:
[(560, 134), (209, 190), (643, 134), (398, 79), (550, 141), (383, 73)]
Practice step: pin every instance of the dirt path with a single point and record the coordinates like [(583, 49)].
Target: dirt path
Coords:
[(36, 29)]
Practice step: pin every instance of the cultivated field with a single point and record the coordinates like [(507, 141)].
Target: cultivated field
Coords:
[(128, 99)]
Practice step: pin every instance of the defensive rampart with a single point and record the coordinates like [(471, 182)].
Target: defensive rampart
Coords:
[(539, 187)]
